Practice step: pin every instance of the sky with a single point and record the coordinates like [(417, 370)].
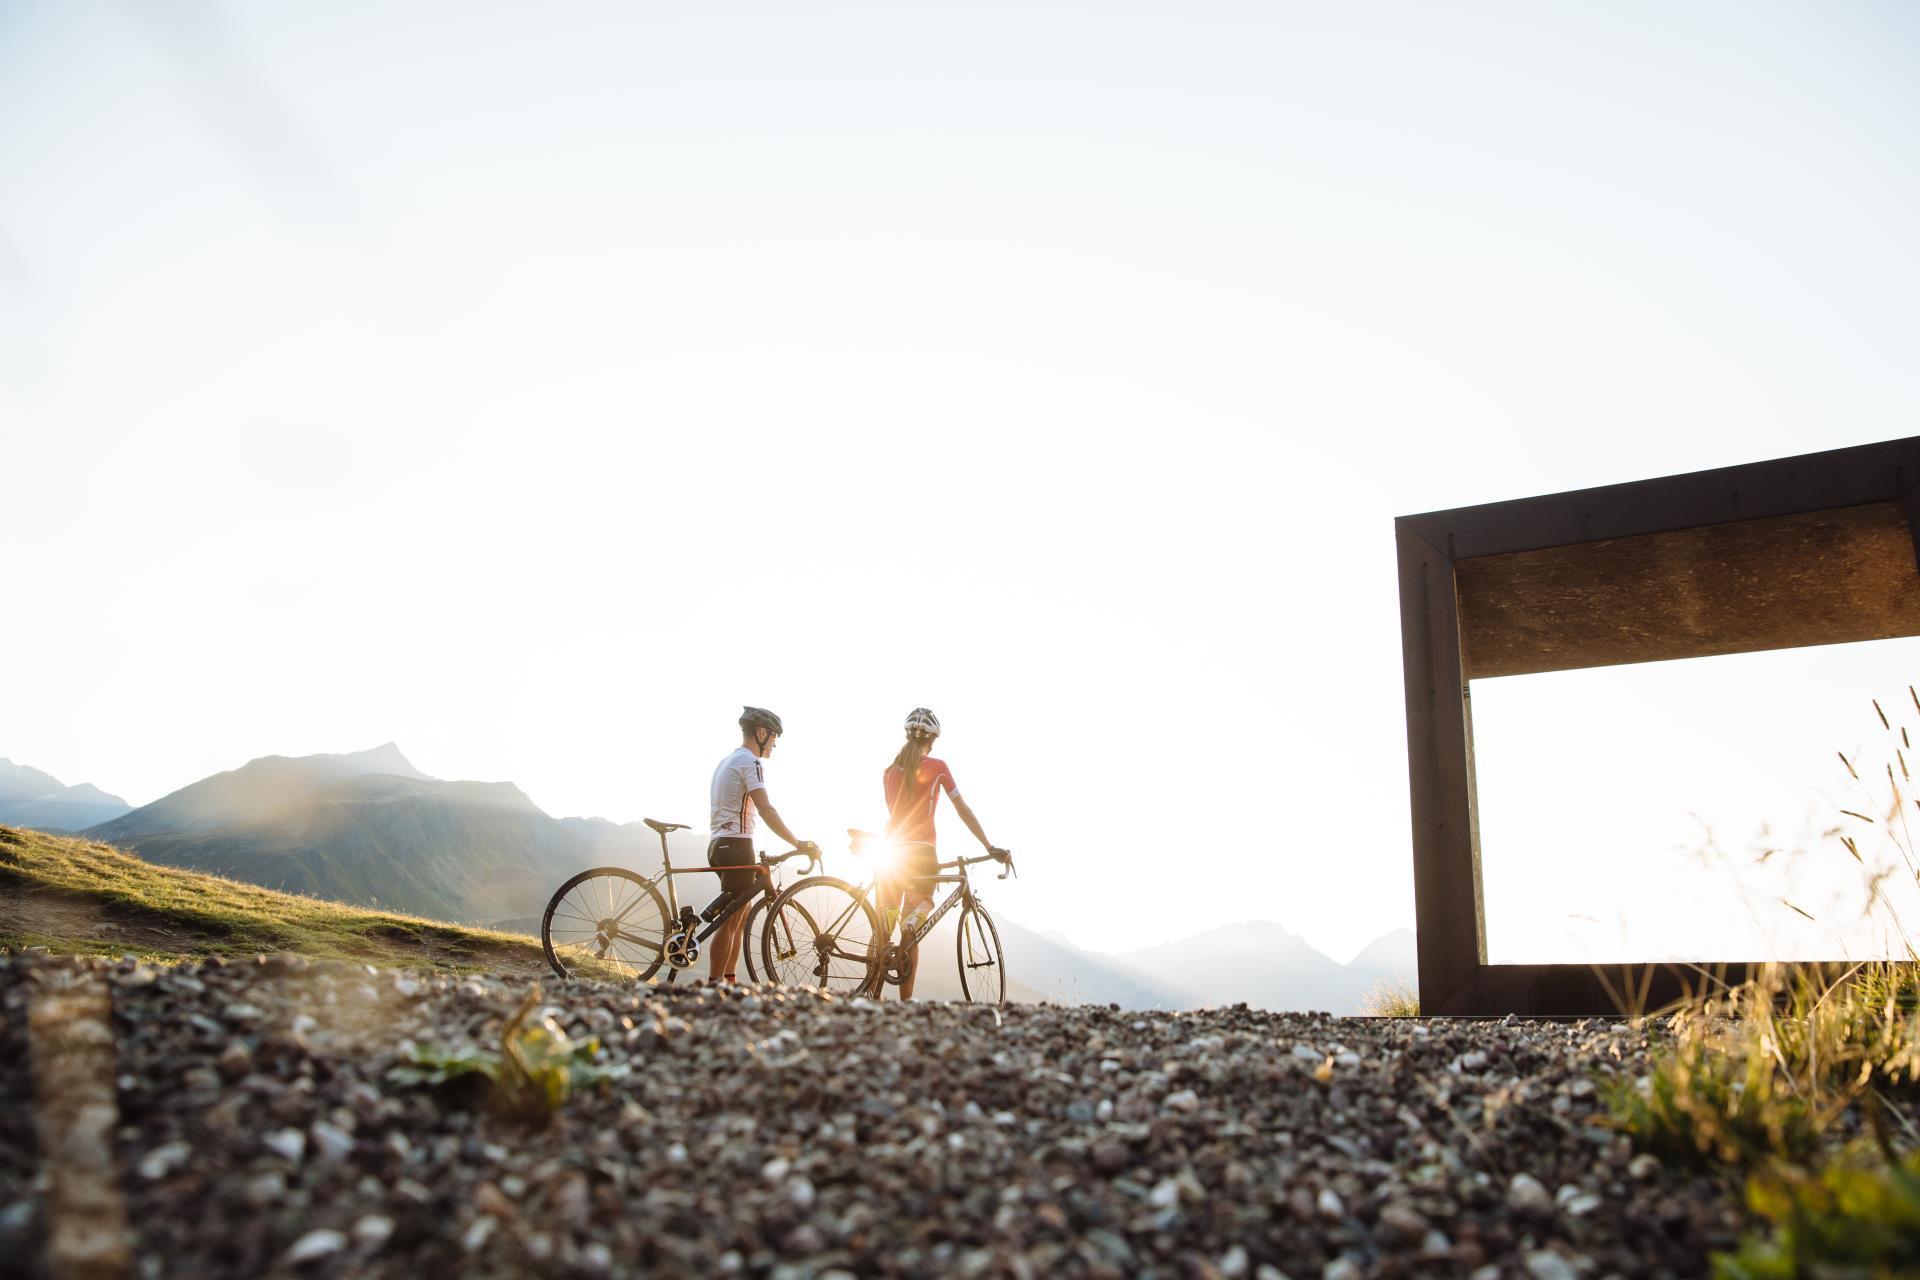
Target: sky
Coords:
[(533, 387)]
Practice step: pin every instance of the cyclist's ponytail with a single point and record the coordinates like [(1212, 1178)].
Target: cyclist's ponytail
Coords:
[(908, 762)]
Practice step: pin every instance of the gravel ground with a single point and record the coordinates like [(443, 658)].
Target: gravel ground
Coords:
[(775, 1132)]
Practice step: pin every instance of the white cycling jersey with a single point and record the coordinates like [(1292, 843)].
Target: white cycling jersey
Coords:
[(738, 776)]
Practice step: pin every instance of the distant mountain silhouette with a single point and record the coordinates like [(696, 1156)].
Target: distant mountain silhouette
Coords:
[(1269, 967), (370, 829), (31, 798), (254, 791), (1391, 955)]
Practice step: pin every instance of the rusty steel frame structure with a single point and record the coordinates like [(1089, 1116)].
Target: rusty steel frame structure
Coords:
[(1818, 549)]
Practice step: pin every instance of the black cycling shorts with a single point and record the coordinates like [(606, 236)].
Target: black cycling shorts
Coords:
[(735, 851), (913, 873)]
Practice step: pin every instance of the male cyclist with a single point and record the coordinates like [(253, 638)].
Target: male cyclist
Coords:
[(739, 792), (913, 783)]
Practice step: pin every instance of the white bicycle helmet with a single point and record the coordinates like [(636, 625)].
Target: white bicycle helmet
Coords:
[(922, 723)]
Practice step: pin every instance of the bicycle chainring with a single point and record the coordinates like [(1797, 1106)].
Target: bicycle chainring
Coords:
[(682, 949)]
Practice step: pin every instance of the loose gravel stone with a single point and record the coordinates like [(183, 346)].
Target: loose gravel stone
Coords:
[(316, 1245), (1527, 1194)]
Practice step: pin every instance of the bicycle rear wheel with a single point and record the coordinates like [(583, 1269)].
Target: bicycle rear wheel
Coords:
[(756, 914), (606, 923), (820, 932), (983, 971)]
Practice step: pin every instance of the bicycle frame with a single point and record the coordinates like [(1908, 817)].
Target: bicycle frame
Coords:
[(765, 888)]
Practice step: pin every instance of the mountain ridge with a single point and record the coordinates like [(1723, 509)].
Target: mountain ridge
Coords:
[(31, 797)]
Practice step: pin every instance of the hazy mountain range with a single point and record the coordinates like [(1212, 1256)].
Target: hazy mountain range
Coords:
[(30, 798), (369, 828)]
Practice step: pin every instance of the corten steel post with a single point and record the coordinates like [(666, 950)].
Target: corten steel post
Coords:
[(1818, 549)]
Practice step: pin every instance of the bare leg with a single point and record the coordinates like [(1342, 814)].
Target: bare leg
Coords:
[(725, 956), (907, 972), (916, 909)]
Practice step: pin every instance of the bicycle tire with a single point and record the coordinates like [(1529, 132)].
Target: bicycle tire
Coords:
[(749, 933), (640, 967), (815, 904), (989, 977)]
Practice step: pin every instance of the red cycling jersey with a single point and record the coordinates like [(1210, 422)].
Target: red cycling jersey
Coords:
[(910, 809)]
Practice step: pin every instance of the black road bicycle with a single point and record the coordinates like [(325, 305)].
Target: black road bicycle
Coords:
[(613, 923), (824, 932)]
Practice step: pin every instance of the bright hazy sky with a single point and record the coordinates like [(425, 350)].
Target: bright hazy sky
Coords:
[(534, 386)]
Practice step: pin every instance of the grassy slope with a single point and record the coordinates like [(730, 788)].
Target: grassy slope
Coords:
[(77, 896)]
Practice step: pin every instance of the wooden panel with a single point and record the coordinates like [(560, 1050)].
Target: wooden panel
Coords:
[(1823, 577)]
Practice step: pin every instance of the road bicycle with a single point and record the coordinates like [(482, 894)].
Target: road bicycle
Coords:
[(825, 932), (613, 923)]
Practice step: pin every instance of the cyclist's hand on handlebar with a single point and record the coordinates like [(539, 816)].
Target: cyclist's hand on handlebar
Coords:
[(998, 854)]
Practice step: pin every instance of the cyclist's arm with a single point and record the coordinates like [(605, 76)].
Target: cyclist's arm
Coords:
[(973, 824), (764, 807)]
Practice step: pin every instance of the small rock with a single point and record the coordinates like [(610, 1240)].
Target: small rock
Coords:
[(491, 1200), (1643, 1167), (775, 1169), (164, 1159), (371, 1231), (1526, 1194), (1110, 1157), (1185, 1102), (264, 1189), (1342, 1268), (1306, 1053), (315, 1245), (800, 1194), (1165, 1193), (1400, 1223), (235, 1060), (1233, 1263), (1582, 1205), (289, 1144), (1544, 1264), (1328, 1204), (331, 1144)]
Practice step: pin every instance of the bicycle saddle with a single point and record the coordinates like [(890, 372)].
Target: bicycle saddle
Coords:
[(664, 827)]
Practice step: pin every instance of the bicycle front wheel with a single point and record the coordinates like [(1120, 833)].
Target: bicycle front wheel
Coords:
[(820, 932), (983, 971), (606, 923)]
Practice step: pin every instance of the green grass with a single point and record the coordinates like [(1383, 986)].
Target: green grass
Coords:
[(78, 897)]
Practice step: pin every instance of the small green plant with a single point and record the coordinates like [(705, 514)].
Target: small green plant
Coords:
[(1391, 998), (537, 1068), (1848, 1220)]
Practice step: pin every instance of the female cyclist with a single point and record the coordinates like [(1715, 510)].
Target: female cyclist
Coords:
[(913, 784)]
